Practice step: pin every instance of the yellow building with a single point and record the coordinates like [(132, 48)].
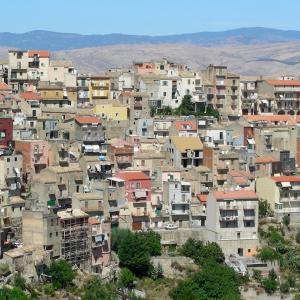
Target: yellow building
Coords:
[(111, 110), (99, 87)]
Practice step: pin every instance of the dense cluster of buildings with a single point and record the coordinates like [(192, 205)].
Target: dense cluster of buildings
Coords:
[(83, 153)]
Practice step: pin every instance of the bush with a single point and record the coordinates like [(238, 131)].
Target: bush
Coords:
[(95, 289), (285, 287), (264, 209), (157, 272), (291, 280), (61, 274), (49, 289), (117, 235), (257, 275), (12, 294), (266, 254), (272, 274), (19, 282), (298, 237), (126, 278), (296, 297), (270, 285), (286, 220), (4, 268)]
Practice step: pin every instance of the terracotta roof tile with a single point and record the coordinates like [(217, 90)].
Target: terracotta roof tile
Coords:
[(186, 125), (271, 118), (40, 53), (265, 159), (88, 120), (30, 96), (284, 82), (286, 178), (240, 195), (202, 198), (4, 87), (132, 175)]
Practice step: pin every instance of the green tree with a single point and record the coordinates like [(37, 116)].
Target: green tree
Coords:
[(270, 285), (286, 220), (296, 297), (214, 281), (134, 255), (264, 209), (151, 240), (186, 107), (61, 274), (126, 278), (266, 254), (117, 235), (95, 289)]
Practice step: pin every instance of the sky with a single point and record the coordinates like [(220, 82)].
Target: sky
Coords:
[(149, 17)]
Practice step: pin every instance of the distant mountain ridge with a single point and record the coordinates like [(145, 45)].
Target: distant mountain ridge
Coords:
[(54, 41)]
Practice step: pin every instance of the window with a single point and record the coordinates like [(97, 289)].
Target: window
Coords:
[(55, 69), (238, 235), (189, 81), (8, 159), (165, 94), (16, 159), (138, 185), (56, 233), (2, 134), (52, 222)]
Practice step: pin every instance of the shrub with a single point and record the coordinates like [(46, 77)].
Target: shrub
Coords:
[(298, 237), (272, 274), (126, 278), (20, 282), (257, 275), (61, 274), (49, 289), (269, 285), (285, 287)]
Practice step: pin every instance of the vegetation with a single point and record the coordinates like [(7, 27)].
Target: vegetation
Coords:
[(286, 220), (135, 250), (95, 289), (201, 252), (12, 294), (186, 108), (126, 278), (214, 281), (61, 274), (264, 209)]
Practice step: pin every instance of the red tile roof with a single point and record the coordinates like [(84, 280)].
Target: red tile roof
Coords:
[(40, 53), (271, 118), (186, 125), (30, 96), (240, 180), (132, 175), (88, 120), (286, 178), (240, 195), (284, 82), (202, 198), (265, 159), (4, 87)]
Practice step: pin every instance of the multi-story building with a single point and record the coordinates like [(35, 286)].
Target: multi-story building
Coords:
[(6, 131), (283, 195), (232, 221), (62, 71), (35, 156), (75, 238), (99, 88), (120, 153), (184, 152), (177, 200)]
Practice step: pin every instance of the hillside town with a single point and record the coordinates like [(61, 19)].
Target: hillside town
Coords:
[(185, 153)]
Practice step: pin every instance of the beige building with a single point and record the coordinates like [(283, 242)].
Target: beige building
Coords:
[(232, 221), (283, 195), (64, 72)]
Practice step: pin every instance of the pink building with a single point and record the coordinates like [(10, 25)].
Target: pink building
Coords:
[(121, 153), (137, 185), (144, 68), (35, 156)]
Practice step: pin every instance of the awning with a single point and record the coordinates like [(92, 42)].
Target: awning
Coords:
[(285, 184), (251, 141), (140, 194)]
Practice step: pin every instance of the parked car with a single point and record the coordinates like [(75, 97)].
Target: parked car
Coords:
[(170, 226)]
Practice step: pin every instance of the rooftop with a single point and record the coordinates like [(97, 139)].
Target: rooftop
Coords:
[(186, 125), (289, 120), (88, 120), (183, 143), (132, 175), (286, 178), (71, 213), (284, 82), (238, 195), (40, 53)]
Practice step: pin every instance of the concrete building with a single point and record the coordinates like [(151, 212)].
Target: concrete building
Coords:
[(283, 195), (184, 152), (232, 221)]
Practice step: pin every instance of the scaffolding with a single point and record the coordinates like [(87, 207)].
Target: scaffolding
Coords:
[(75, 244)]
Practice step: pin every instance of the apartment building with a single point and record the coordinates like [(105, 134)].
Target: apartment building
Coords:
[(120, 153), (232, 221), (184, 128), (35, 156), (283, 195), (286, 95), (63, 71), (83, 92), (26, 68), (6, 131), (99, 88), (75, 238), (249, 95), (184, 152), (161, 127), (177, 200), (223, 90)]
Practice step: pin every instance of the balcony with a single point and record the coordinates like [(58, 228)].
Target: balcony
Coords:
[(140, 213), (220, 82), (249, 218), (178, 212), (229, 207), (228, 218)]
